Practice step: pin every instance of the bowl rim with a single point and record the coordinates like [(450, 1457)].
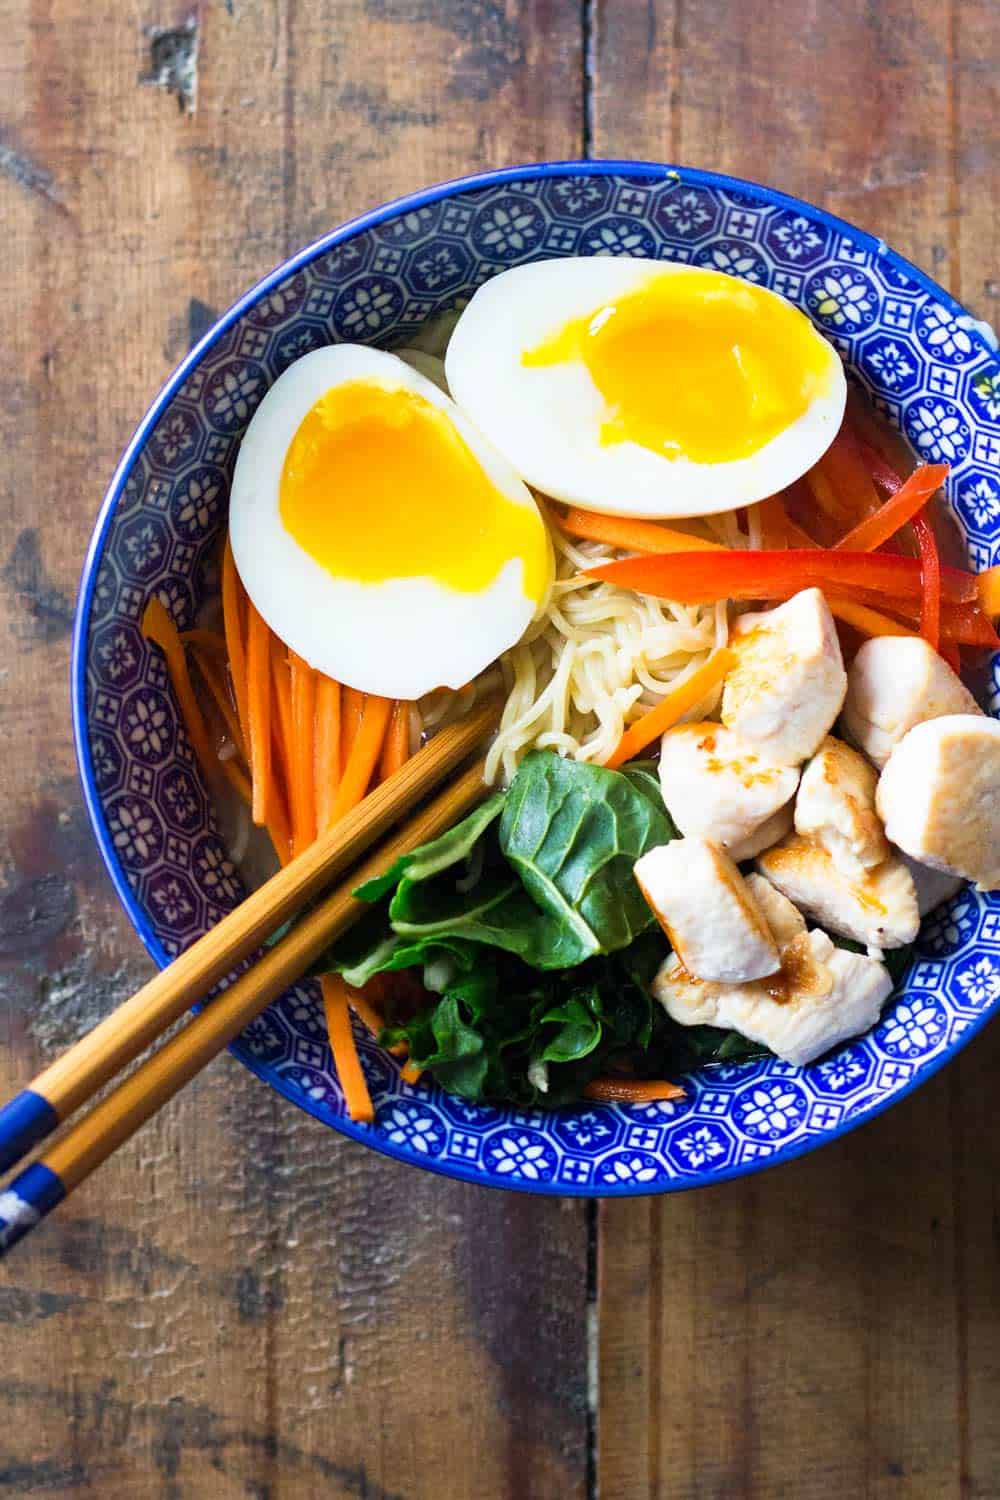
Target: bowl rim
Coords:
[(409, 203)]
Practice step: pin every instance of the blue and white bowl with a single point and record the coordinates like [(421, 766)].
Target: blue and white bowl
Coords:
[(932, 370)]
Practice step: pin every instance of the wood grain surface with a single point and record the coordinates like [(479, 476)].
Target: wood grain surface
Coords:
[(241, 1304)]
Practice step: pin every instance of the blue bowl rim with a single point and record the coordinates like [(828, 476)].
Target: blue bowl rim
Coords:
[(409, 203)]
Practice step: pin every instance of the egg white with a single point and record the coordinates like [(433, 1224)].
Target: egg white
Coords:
[(547, 419), (401, 637)]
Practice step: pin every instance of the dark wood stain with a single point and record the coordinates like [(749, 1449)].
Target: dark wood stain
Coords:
[(45, 613)]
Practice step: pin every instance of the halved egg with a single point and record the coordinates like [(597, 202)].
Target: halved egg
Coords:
[(378, 533), (640, 387)]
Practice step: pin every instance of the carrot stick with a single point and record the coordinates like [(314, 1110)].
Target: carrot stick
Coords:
[(282, 734), (327, 750), (302, 773), (896, 511), (868, 621), (673, 707), (631, 535), (217, 686), (930, 573), (336, 997), (365, 1010), (632, 1090), (158, 627), (364, 754), (258, 669), (351, 704), (233, 618), (410, 1073), (396, 750)]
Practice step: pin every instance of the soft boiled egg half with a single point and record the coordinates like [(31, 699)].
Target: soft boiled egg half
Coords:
[(378, 533), (639, 387)]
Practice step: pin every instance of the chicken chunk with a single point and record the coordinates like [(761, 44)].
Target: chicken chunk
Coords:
[(718, 787), (896, 682), (933, 886), (784, 919), (771, 831), (836, 807), (822, 996), (789, 682), (701, 901), (939, 796), (880, 909)]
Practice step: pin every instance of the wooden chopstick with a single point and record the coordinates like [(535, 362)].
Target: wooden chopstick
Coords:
[(37, 1190), (74, 1078)]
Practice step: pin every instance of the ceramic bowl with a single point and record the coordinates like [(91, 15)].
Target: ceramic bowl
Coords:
[(931, 369)]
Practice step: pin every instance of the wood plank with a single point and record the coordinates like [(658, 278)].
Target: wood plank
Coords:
[(833, 1326), (240, 1303)]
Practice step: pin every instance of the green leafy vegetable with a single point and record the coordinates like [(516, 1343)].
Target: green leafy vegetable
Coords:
[(572, 833)]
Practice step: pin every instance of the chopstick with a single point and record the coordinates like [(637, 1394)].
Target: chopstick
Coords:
[(46, 1182), (73, 1078)]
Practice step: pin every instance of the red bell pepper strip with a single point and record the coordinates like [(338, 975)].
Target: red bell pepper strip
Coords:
[(703, 577), (900, 508), (930, 575)]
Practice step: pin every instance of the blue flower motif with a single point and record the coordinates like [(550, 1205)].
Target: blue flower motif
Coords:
[(914, 1026), (938, 430), (942, 335), (412, 1126), (771, 1109), (618, 237), (892, 362), (521, 1153), (843, 298), (632, 1167)]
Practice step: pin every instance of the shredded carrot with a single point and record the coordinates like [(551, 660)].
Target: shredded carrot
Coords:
[(282, 730), (632, 1090), (774, 523), (364, 754), (233, 600), (351, 704), (212, 675), (930, 576), (302, 771), (868, 621), (673, 707), (844, 468), (410, 1073), (396, 750), (158, 627), (258, 668), (336, 1000), (988, 585), (327, 750), (365, 1010), (629, 534)]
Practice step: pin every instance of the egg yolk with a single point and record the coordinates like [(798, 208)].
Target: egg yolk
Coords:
[(696, 365), (378, 483)]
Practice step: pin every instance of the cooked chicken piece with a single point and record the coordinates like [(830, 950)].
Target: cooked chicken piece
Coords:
[(784, 919), (789, 682), (894, 683), (934, 887), (880, 909), (701, 901), (836, 807), (772, 831), (939, 796), (821, 996), (718, 787)]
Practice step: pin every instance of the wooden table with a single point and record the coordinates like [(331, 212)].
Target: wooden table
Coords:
[(242, 1304)]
